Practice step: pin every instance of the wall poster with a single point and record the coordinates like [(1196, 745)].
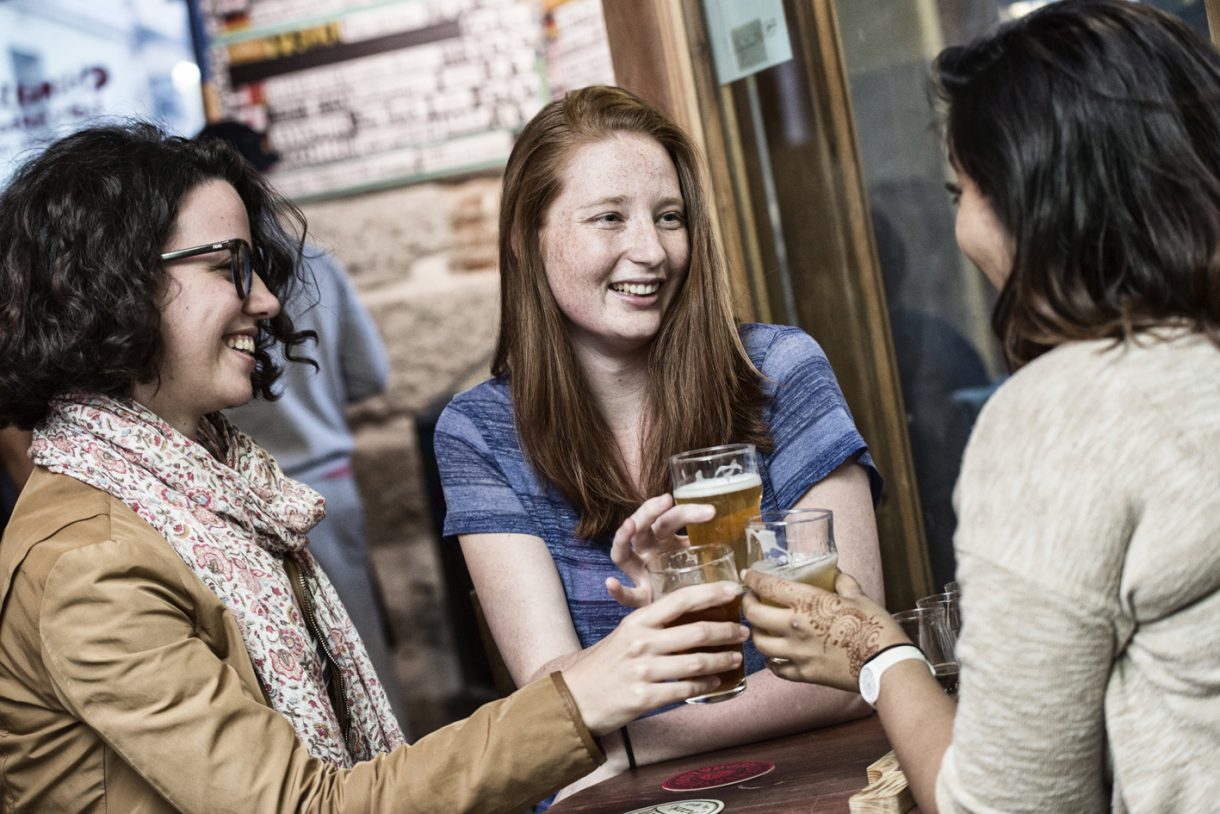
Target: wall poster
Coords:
[(361, 96)]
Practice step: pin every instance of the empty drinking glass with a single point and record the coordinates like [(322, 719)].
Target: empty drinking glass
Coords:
[(928, 628), (950, 603)]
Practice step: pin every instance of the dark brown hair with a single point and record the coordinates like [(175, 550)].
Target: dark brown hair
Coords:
[(697, 353), (82, 228), (1093, 129)]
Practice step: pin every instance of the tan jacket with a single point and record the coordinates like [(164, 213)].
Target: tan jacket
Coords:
[(125, 687)]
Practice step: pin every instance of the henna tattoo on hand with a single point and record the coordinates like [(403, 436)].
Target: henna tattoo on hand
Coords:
[(858, 636), (839, 625)]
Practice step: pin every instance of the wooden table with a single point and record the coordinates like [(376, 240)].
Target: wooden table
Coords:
[(815, 772)]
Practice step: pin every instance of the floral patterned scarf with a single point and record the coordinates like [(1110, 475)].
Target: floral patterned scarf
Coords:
[(233, 516)]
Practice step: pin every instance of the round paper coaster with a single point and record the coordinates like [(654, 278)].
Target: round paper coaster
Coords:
[(722, 774), (683, 807)]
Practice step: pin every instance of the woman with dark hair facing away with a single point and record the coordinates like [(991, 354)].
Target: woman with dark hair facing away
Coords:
[(1086, 142), (167, 642), (617, 349)]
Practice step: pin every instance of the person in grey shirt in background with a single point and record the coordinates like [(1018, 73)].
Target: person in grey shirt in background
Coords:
[(306, 428)]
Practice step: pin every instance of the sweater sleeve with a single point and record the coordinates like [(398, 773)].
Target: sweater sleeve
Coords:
[(1040, 543), (1089, 506), (1030, 731), (147, 683)]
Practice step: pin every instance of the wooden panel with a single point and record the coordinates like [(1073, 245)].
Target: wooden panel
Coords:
[(1213, 20), (722, 148), (649, 49), (860, 346), (652, 48)]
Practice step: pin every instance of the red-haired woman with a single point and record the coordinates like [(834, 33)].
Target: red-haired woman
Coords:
[(618, 348)]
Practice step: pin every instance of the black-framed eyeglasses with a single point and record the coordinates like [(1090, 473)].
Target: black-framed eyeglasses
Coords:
[(242, 261)]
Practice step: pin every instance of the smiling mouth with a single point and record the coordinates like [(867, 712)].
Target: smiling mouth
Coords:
[(636, 289), (241, 343)]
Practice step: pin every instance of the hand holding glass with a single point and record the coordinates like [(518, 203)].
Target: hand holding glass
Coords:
[(697, 565)]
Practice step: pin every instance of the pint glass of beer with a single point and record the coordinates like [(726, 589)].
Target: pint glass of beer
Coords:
[(797, 545), (725, 477), (694, 566)]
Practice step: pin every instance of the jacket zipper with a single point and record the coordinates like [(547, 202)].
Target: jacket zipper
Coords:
[(312, 623)]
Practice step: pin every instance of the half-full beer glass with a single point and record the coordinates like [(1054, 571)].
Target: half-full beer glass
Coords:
[(797, 545), (725, 477), (695, 566)]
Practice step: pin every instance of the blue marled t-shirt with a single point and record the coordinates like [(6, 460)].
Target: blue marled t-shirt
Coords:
[(490, 488)]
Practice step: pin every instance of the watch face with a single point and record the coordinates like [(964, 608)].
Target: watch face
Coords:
[(868, 685)]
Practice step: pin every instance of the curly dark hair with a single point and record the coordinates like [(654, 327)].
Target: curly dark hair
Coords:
[(82, 228), (1093, 129)]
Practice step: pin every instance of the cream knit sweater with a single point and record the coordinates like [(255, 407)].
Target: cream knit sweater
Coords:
[(1089, 555)]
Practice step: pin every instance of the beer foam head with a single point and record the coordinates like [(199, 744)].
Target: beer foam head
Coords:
[(718, 486), (793, 566)]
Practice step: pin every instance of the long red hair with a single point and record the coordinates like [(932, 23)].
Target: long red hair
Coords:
[(702, 387)]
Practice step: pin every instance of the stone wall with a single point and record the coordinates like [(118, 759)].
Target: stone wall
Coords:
[(423, 260)]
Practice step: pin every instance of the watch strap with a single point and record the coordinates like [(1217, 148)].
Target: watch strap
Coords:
[(874, 668)]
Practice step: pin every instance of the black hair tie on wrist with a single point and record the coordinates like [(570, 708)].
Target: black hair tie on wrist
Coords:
[(891, 647), (627, 747)]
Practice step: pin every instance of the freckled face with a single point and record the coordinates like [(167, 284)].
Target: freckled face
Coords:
[(979, 233), (615, 244), (207, 331)]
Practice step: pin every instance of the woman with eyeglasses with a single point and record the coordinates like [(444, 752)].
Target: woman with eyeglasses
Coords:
[(167, 642), (1085, 140)]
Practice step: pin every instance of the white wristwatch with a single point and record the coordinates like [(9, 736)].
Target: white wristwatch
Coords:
[(882, 660)]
